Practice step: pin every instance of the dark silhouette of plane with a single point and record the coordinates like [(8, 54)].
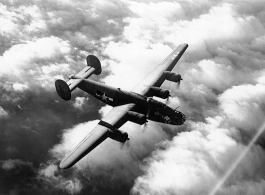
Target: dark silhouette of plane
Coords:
[(136, 105)]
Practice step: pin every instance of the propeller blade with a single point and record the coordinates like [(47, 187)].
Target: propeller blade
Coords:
[(178, 83), (125, 144), (143, 127), (167, 100)]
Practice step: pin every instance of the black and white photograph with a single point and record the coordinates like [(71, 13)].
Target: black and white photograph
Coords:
[(132, 97)]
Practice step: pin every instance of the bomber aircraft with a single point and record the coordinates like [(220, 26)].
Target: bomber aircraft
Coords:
[(136, 105)]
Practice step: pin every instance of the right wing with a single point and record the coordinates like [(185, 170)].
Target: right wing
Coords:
[(114, 119), (156, 77)]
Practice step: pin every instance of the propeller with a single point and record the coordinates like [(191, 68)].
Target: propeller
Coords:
[(167, 100), (178, 83), (126, 144), (143, 127)]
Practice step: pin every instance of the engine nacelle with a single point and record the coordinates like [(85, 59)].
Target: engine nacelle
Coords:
[(161, 93), (136, 117), (171, 76), (118, 135)]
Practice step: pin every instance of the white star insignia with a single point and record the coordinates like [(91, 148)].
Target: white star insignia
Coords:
[(104, 97)]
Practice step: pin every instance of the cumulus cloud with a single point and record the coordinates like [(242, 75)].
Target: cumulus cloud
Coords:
[(126, 64), (243, 105), (104, 157), (12, 164), (15, 174), (24, 18), (20, 87), (21, 62), (48, 175), (79, 102), (216, 87), (3, 113), (201, 155), (72, 137)]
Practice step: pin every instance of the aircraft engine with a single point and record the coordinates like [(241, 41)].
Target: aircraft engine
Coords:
[(161, 93), (136, 117), (171, 76), (118, 135)]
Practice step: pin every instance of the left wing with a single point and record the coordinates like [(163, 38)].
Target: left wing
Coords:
[(107, 127)]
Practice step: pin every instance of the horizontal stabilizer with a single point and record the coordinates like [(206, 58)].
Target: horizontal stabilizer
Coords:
[(64, 89)]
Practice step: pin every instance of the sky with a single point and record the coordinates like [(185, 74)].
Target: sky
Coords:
[(222, 94)]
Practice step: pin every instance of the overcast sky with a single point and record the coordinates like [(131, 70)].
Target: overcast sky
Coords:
[(222, 94)]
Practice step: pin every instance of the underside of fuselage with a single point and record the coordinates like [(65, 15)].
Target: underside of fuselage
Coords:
[(153, 110)]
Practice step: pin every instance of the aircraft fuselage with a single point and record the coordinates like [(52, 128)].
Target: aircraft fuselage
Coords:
[(154, 110)]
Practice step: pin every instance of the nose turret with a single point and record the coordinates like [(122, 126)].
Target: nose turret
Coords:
[(179, 117)]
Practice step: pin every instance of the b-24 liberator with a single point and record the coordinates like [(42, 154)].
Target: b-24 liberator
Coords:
[(136, 105)]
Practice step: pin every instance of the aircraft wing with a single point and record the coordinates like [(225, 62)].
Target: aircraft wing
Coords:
[(156, 77), (114, 119)]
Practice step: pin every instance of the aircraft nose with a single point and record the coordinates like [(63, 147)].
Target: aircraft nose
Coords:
[(183, 119), (180, 117)]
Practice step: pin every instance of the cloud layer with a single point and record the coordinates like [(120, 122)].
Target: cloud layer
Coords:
[(222, 93)]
